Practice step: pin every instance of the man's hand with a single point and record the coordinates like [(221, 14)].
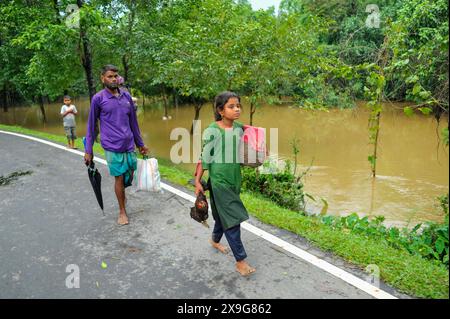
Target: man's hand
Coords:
[(143, 150), (88, 158)]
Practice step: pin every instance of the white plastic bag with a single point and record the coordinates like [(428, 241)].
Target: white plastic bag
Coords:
[(147, 175)]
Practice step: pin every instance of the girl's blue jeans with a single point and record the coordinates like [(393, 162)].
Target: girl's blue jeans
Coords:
[(233, 236)]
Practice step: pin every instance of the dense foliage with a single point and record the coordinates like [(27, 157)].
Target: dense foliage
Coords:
[(282, 188), (428, 241), (315, 52)]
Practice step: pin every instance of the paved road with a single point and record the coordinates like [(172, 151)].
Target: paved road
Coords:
[(50, 219)]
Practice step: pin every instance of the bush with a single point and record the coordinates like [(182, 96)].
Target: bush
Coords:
[(283, 188), (429, 242)]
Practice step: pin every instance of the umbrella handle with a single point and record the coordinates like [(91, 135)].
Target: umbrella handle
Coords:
[(90, 164)]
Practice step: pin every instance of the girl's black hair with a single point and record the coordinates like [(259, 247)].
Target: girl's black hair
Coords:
[(221, 100)]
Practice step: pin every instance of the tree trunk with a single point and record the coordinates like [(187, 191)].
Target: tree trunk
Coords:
[(198, 107), (126, 57), (166, 116), (375, 149), (86, 55), (86, 60), (55, 6), (229, 84), (9, 101), (3, 100), (252, 111), (372, 197), (126, 67), (383, 58), (353, 8), (175, 98), (41, 106)]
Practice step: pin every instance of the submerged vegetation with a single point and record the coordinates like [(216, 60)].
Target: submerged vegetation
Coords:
[(428, 240)]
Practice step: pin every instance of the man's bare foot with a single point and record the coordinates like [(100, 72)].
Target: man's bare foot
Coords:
[(219, 247), (244, 269), (123, 219)]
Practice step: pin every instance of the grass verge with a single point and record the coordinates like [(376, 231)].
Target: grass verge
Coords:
[(410, 274)]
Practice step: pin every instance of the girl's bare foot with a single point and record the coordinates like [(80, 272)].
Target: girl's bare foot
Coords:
[(123, 219), (244, 269), (219, 247)]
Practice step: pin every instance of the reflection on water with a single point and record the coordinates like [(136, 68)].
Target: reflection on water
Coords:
[(412, 166)]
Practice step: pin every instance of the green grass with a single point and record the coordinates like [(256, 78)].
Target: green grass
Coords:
[(410, 274)]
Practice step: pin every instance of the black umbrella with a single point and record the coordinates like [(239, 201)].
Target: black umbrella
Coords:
[(96, 181)]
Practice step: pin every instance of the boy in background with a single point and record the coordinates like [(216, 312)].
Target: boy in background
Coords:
[(68, 112)]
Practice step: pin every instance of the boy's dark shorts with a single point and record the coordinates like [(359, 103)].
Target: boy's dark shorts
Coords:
[(70, 132)]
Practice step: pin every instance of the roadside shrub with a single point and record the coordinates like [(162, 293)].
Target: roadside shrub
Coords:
[(283, 188), (430, 241)]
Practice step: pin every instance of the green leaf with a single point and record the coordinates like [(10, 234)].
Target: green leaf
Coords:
[(440, 245), (425, 94), (408, 110), (412, 79), (416, 227), (325, 206), (425, 110), (327, 220), (416, 89)]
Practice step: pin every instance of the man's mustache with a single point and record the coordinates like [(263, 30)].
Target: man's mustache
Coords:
[(112, 85)]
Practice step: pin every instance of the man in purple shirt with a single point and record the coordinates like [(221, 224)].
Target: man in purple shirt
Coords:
[(119, 134)]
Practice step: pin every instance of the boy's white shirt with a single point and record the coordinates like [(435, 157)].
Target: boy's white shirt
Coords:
[(69, 118), (65, 108)]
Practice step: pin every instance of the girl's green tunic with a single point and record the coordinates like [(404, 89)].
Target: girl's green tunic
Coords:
[(220, 158)]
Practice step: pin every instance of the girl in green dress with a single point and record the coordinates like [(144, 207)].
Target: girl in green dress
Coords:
[(220, 158)]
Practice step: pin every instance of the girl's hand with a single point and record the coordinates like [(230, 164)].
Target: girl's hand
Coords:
[(198, 188)]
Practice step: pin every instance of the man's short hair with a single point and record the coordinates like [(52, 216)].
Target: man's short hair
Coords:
[(67, 97), (109, 67)]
